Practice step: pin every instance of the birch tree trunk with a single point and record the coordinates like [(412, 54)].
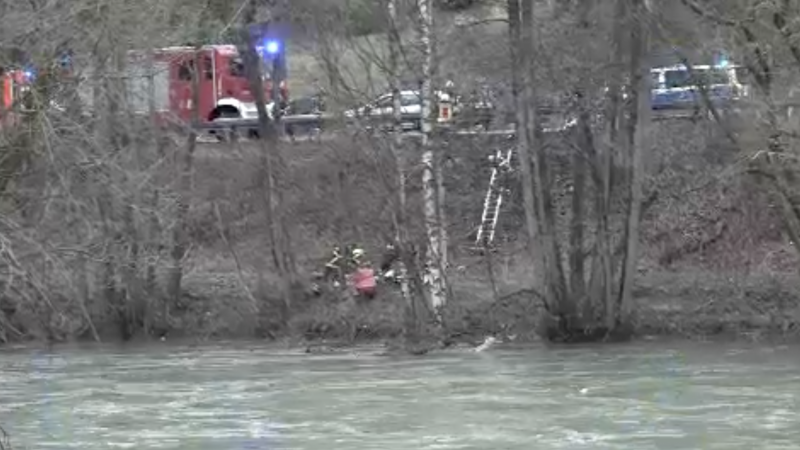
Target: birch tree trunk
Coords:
[(437, 289)]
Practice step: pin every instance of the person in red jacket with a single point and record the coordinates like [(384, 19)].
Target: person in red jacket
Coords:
[(364, 280)]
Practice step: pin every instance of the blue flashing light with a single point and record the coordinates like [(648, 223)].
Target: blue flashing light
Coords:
[(65, 60), (272, 47), (722, 60)]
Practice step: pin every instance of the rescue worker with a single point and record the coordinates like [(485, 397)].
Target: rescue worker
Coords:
[(357, 256), (333, 268), (390, 256), (364, 281)]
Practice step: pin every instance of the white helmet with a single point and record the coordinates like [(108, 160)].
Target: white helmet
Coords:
[(358, 252)]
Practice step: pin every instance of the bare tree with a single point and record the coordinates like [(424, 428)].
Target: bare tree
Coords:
[(272, 160), (401, 231), (180, 232), (437, 287), (575, 299)]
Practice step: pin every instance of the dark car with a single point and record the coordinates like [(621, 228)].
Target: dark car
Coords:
[(304, 116)]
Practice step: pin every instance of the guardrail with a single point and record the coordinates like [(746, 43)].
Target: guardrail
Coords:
[(241, 123), (325, 120)]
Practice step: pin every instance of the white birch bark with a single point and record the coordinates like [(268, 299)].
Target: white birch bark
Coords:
[(435, 281)]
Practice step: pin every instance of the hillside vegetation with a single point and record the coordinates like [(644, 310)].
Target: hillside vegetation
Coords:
[(113, 227)]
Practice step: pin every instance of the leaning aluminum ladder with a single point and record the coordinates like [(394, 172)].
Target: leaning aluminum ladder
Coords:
[(501, 165)]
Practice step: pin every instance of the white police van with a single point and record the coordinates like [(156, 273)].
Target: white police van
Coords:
[(678, 87)]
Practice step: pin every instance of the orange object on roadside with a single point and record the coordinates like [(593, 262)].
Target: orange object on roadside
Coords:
[(7, 83), (12, 83), (6, 99)]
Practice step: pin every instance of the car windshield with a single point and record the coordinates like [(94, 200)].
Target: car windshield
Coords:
[(406, 99), (409, 99), (676, 79), (680, 78), (383, 102)]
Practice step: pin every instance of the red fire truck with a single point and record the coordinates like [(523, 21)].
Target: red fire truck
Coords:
[(224, 91)]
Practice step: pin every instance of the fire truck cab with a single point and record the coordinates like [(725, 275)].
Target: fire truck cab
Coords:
[(224, 91)]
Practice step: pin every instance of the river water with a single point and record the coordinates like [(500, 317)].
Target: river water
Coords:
[(236, 396)]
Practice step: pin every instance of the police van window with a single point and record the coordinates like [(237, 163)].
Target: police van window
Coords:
[(710, 77), (742, 75), (655, 80)]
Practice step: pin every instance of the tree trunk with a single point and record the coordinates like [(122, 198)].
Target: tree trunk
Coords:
[(442, 215), (585, 153), (637, 126), (411, 328), (521, 83), (154, 234), (437, 290), (580, 155), (577, 272), (180, 232), (554, 288), (272, 162), (604, 284)]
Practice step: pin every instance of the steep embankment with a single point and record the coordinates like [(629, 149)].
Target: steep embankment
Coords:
[(713, 255)]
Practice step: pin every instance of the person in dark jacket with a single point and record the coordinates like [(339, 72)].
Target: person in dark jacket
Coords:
[(333, 268), (390, 255)]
